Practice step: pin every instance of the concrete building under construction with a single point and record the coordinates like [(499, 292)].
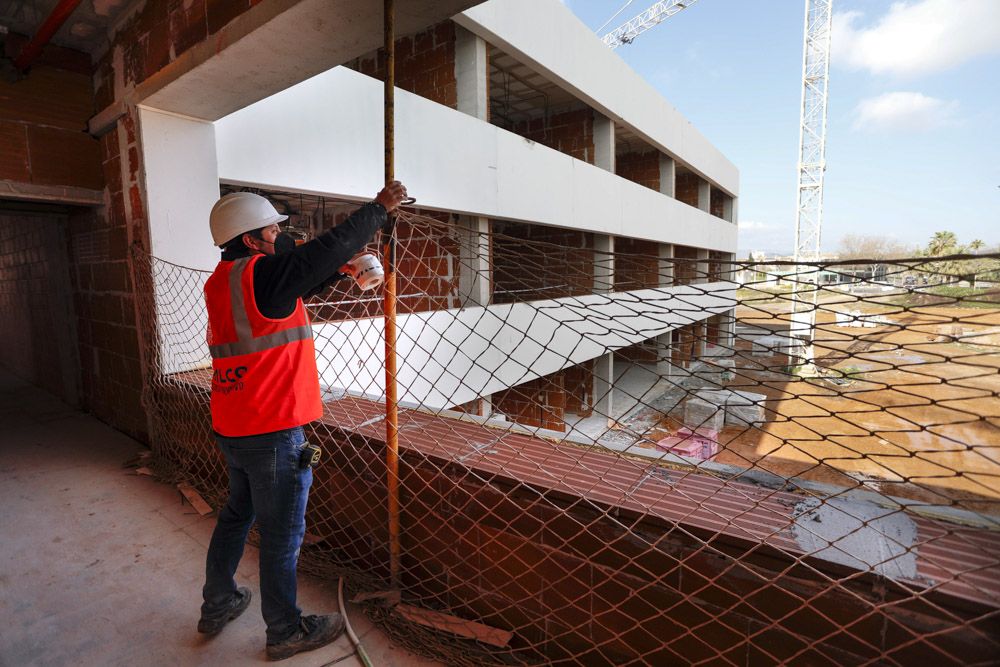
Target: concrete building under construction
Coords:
[(572, 245)]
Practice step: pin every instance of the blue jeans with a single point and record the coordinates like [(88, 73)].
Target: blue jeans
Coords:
[(264, 479)]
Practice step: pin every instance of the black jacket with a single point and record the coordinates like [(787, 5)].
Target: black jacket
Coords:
[(278, 280)]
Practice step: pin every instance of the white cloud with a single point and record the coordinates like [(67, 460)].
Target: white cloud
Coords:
[(904, 111), (920, 37)]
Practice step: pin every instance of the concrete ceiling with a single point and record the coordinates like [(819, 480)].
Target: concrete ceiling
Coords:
[(277, 44), (86, 29), (519, 93)]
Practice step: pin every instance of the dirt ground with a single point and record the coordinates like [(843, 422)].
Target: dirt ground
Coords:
[(917, 415)]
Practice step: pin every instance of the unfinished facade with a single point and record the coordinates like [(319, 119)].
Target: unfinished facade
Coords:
[(555, 189), (579, 192)]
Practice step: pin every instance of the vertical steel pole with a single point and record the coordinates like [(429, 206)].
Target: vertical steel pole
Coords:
[(389, 258)]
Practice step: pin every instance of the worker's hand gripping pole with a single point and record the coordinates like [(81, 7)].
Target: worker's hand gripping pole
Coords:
[(389, 257)]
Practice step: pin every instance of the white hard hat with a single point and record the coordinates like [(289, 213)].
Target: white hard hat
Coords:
[(241, 212)]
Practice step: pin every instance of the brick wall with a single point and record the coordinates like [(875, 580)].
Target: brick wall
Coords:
[(685, 265), (427, 278), (686, 188), (717, 202), (570, 132), (578, 382), (428, 265), (717, 265), (154, 36), (640, 167), (104, 300), (425, 64), (637, 264), (43, 121), (540, 402), (683, 351), (145, 40), (533, 262), (50, 108), (37, 328)]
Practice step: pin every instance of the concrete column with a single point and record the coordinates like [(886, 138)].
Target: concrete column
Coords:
[(664, 342), (702, 274), (699, 327), (704, 194), (668, 175), (604, 368), (474, 261), (727, 330), (474, 276), (472, 74), (604, 142)]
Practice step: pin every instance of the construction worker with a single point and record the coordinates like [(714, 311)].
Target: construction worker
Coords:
[(265, 386)]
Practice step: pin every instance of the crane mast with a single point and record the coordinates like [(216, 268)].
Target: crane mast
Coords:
[(812, 160), (812, 142)]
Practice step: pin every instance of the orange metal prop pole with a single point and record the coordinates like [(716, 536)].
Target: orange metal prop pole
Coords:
[(389, 258)]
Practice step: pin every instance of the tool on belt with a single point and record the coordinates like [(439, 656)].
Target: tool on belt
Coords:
[(309, 456)]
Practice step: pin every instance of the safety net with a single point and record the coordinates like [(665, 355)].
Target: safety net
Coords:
[(617, 451)]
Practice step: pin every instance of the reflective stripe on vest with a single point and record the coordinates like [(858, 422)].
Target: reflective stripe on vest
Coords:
[(246, 343)]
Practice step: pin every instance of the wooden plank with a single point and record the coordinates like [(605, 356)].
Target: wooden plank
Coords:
[(197, 502), (456, 626)]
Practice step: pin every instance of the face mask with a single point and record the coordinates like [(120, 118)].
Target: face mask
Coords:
[(283, 243)]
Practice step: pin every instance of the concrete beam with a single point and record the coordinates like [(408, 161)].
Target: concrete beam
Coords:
[(53, 194)]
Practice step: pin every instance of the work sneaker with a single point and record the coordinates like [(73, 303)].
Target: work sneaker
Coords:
[(238, 605), (313, 632)]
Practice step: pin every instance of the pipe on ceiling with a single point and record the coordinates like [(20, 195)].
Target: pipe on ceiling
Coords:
[(49, 27)]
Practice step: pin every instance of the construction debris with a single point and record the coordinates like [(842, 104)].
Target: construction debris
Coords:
[(699, 443), (193, 497)]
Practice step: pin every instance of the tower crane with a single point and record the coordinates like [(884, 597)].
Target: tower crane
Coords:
[(654, 15), (812, 140), (812, 163)]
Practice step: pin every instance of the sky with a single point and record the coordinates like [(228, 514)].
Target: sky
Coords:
[(913, 136)]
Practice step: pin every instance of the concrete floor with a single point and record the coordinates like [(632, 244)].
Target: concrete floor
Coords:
[(99, 566)]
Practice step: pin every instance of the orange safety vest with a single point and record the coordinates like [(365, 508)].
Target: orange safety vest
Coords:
[(264, 376)]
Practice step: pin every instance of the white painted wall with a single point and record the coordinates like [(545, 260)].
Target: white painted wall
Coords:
[(545, 35), (325, 136), (448, 357), (182, 185)]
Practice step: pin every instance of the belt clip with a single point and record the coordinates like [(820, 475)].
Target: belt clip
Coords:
[(309, 458)]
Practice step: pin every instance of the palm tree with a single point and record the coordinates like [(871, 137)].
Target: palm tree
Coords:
[(943, 243)]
